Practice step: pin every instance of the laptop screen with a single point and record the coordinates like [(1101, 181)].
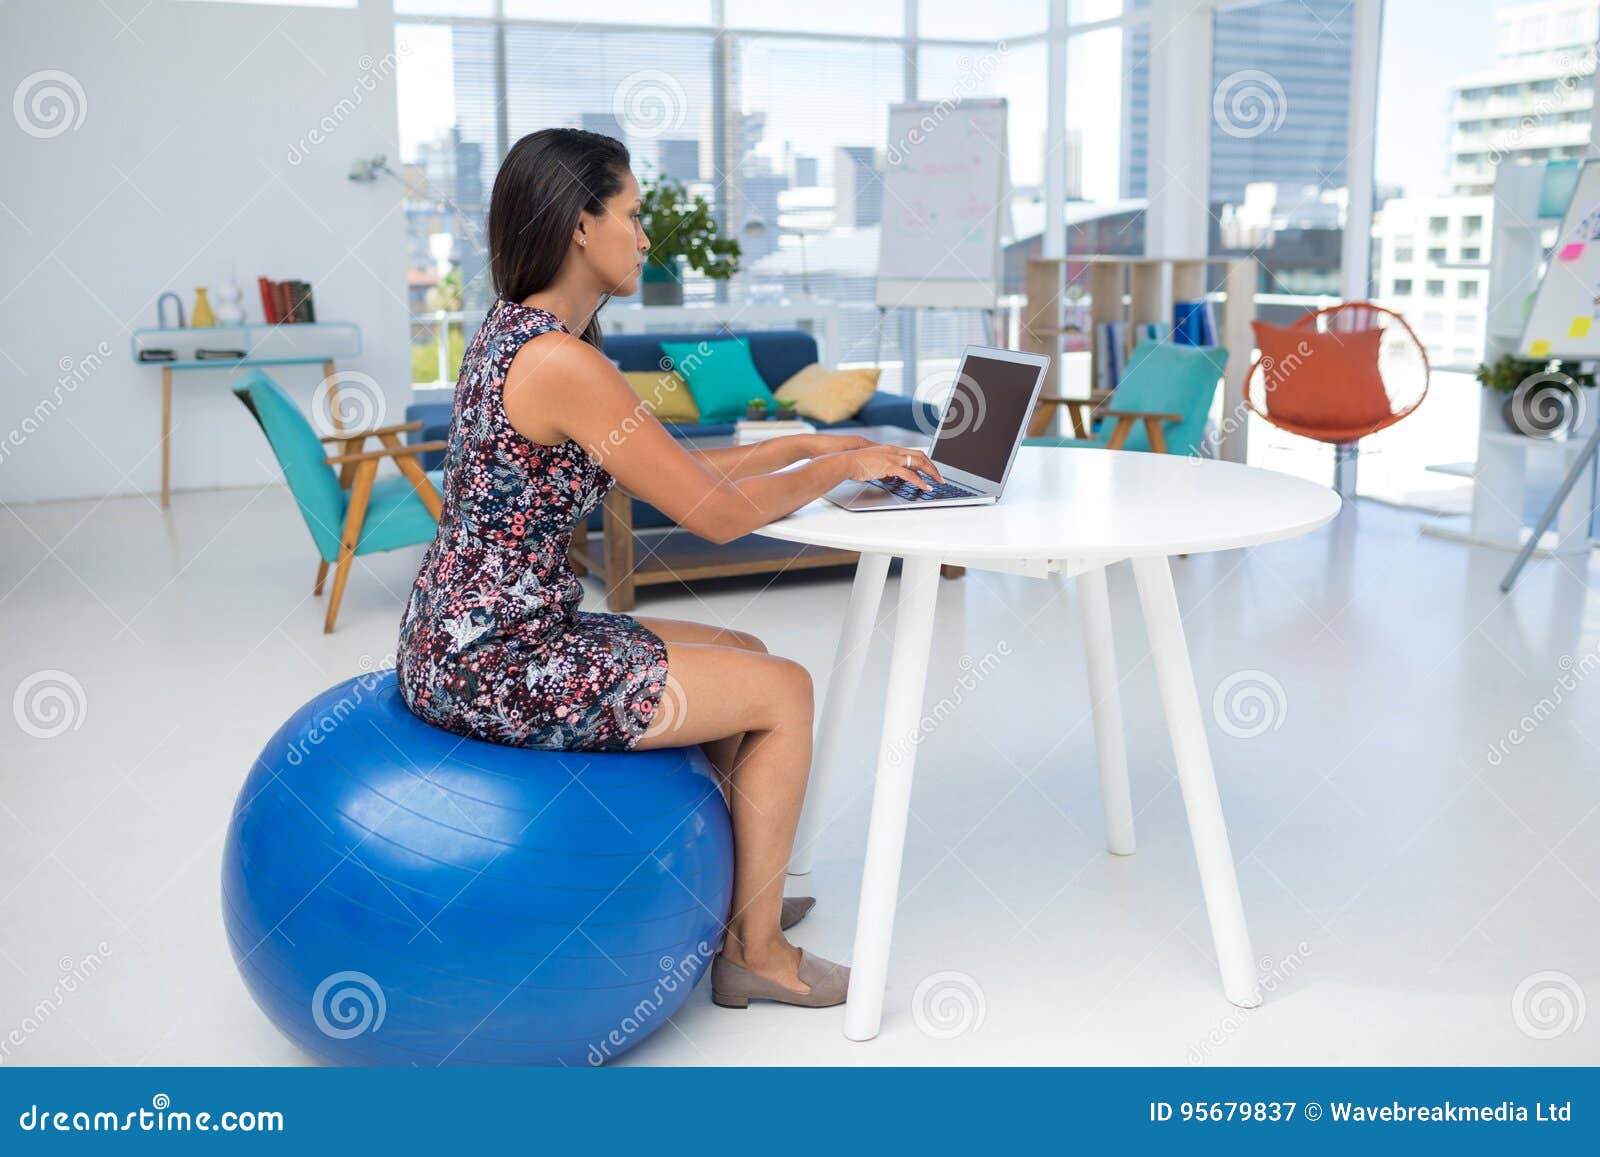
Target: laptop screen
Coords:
[(984, 415)]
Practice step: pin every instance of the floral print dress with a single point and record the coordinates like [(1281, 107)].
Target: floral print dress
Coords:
[(492, 645)]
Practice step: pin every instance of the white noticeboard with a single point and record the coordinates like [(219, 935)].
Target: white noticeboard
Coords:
[(946, 202), (1564, 321)]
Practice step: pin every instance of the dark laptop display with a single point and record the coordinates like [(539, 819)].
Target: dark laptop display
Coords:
[(986, 409)]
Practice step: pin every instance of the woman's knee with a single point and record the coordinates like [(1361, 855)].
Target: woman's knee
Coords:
[(741, 639), (795, 685)]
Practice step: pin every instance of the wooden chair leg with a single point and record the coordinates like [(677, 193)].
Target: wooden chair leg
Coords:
[(322, 576), (360, 493), (580, 542), (617, 527)]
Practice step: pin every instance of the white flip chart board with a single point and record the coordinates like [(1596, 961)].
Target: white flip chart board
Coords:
[(1564, 320), (946, 202)]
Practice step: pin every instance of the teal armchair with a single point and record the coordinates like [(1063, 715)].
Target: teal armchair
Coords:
[(347, 509), (1161, 404)]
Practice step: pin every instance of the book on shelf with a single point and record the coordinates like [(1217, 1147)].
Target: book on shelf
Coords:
[(286, 302), (745, 432)]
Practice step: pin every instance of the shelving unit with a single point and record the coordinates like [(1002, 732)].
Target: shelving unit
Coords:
[(1141, 291), (1529, 201), (303, 343)]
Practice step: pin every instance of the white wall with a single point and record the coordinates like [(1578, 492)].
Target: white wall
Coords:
[(180, 168)]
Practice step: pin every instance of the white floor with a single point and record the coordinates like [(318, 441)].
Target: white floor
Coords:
[(1403, 879)]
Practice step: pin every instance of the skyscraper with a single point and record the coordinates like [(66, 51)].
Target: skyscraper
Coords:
[(1286, 58)]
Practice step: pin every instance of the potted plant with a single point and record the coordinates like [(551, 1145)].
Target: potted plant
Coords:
[(755, 410), (1541, 396), (682, 231), (785, 409)]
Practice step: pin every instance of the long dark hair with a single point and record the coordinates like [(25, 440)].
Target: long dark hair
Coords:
[(546, 180)]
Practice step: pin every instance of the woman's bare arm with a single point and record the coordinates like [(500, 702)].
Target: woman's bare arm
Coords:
[(560, 387), (774, 453)]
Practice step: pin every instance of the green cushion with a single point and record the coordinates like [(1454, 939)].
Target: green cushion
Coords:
[(721, 374), (396, 516), (1163, 378)]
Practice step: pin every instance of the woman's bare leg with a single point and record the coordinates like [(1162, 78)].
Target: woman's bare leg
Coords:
[(721, 752), (766, 702)]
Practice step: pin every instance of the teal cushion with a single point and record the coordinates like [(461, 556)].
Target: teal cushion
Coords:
[(314, 484), (396, 516), (721, 375), (1057, 442), (1163, 378)]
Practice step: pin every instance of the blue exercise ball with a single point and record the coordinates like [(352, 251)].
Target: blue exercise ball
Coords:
[(398, 895)]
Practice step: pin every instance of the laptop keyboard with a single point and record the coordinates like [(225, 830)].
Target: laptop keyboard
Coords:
[(900, 488)]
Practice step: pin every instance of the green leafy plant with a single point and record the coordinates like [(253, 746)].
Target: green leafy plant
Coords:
[(680, 225), (1508, 372)]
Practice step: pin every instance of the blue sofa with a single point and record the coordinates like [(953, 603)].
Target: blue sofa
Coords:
[(778, 355)]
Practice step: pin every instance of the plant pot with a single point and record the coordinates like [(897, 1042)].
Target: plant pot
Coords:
[(1543, 408), (662, 284)]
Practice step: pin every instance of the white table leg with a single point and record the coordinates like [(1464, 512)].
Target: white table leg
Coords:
[(855, 640), (1181, 702), (891, 797), (1094, 604)]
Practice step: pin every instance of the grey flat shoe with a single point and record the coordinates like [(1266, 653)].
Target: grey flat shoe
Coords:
[(733, 986), (794, 910)]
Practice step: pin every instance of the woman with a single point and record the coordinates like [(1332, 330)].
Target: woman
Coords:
[(492, 644)]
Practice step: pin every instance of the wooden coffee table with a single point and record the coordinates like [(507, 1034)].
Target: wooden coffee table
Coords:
[(625, 558)]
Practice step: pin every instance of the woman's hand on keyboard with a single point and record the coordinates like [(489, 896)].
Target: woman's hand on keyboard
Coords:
[(871, 463)]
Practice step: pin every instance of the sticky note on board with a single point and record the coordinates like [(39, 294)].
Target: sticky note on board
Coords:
[(1580, 327), (1571, 251), (1539, 349)]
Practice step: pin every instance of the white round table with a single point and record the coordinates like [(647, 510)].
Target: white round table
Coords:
[(1067, 511)]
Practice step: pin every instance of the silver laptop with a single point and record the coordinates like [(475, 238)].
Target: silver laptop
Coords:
[(984, 420)]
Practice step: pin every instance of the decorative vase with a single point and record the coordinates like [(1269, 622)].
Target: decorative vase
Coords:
[(202, 317), (230, 304), (663, 284)]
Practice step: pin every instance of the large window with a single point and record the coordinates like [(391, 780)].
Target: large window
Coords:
[(791, 157)]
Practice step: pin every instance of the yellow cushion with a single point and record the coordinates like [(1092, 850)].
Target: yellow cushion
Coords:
[(665, 394), (826, 395)]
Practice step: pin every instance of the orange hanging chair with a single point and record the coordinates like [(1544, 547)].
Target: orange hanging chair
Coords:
[(1338, 375)]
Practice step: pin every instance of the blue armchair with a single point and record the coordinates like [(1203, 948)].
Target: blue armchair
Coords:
[(349, 512)]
